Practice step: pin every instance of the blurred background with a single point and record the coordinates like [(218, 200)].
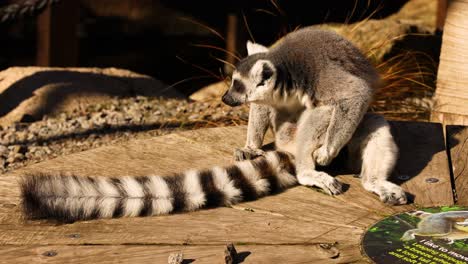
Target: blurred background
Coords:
[(109, 71), (169, 40)]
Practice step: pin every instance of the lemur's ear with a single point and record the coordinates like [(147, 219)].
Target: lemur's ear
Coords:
[(262, 71), (253, 48)]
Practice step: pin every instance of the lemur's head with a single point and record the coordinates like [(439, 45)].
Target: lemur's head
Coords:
[(254, 78)]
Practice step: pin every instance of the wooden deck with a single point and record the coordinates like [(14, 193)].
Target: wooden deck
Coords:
[(300, 225)]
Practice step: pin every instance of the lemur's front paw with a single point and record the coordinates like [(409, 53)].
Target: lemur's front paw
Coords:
[(390, 193), (323, 156), (247, 153), (320, 179)]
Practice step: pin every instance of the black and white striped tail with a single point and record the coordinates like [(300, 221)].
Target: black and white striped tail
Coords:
[(71, 198)]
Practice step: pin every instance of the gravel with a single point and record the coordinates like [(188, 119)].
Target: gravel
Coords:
[(119, 120), (113, 122)]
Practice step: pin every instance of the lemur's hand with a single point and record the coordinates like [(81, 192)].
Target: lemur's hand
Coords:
[(247, 153)]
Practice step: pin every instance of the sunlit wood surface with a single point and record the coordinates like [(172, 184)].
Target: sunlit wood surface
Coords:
[(300, 225)]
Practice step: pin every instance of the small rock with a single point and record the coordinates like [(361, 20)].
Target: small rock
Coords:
[(21, 135), (47, 150), (328, 250), (9, 136), (15, 149), (31, 137), (175, 258), (194, 117), (3, 150), (14, 157)]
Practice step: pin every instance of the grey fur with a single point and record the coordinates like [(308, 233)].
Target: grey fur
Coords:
[(372, 151), (318, 81)]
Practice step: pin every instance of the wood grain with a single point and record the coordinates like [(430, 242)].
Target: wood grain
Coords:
[(423, 158), (288, 226), (312, 253), (451, 95), (457, 143)]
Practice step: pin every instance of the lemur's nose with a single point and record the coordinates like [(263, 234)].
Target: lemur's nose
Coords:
[(227, 99)]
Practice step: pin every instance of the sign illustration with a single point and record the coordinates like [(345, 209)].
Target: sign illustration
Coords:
[(428, 235)]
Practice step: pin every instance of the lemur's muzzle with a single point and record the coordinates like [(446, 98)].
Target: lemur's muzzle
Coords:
[(229, 100)]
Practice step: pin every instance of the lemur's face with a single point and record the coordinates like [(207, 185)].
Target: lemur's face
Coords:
[(253, 80)]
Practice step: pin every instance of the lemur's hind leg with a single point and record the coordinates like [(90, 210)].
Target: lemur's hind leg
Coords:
[(346, 115), (311, 130), (372, 147)]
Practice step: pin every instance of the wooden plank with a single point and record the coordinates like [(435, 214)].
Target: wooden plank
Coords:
[(449, 119), (423, 160), (57, 40), (312, 253), (273, 221), (300, 216), (451, 95), (457, 143), (307, 223)]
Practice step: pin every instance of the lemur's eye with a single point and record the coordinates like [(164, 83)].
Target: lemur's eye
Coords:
[(267, 72), (238, 86)]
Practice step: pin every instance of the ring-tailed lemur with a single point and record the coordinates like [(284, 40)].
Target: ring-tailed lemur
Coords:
[(287, 84), (445, 225), (70, 198)]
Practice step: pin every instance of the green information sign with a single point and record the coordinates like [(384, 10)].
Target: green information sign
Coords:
[(429, 235)]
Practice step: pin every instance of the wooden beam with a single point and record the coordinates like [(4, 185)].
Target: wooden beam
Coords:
[(451, 95), (457, 143), (288, 226), (159, 254), (57, 41), (441, 14), (235, 40)]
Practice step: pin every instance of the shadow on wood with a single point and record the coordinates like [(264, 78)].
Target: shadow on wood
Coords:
[(35, 92)]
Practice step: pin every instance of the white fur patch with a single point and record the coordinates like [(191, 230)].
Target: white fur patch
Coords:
[(305, 101), (134, 190), (262, 186), (253, 48), (89, 194), (73, 189), (110, 196), (272, 159), (162, 201), (285, 179), (56, 186), (379, 155), (226, 185), (193, 189)]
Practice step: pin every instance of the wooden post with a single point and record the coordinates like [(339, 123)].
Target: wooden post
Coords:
[(235, 40), (441, 14), (451, 96), (231, 41), (57, 41)]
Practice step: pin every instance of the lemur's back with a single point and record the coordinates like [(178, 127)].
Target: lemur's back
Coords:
[(308, 52)]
